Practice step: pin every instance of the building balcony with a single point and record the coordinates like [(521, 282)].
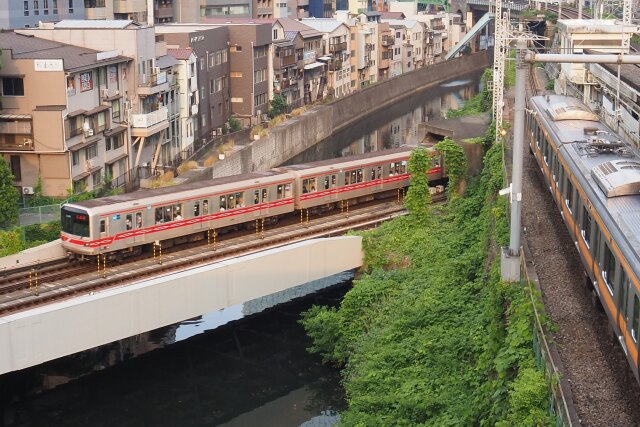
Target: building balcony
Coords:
[(16, 135), (285, 61), (150, 84), (387, 41), (438, 27), (337, 47), (150, 123)]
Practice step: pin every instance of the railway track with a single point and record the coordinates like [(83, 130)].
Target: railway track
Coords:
[(19, 292)]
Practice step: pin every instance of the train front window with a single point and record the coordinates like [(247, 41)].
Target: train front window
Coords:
[(76, 223)]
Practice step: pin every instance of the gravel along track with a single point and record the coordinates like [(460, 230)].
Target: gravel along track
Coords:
[(605, 392)]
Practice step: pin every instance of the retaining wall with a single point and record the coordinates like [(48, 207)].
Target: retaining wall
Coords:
[(298, 134)]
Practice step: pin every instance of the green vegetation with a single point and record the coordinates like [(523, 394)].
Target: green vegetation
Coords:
[(551, 17), (429, 335), (278, 106), (635, 38), (551, 84), (103, 190), (479, 103), (232, 125), (21, 238), (8, 196)]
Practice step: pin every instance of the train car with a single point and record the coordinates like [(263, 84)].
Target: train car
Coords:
[(594, 179), (356, 178), (125, 222)]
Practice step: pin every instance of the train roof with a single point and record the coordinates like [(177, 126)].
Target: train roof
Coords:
[(607, 166), (164, 193), (355, 160)]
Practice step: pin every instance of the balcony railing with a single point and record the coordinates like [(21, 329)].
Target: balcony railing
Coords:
[(337, 47), (438, 27), (19, 127), (149, 119), (152, 79), (16, 143), (287, 60)]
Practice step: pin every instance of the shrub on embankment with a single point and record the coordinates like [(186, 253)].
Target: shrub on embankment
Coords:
[(429, 335), (28, 236)]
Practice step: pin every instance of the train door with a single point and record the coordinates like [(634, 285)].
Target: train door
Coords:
[(622, 319), (103, 227), (138, 224)]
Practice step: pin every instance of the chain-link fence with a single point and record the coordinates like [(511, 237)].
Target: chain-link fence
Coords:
[(39, 214)]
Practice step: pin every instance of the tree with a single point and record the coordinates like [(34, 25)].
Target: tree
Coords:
[(234, 124), (8, 196), (278, 106), (418, 197), (455, 163)]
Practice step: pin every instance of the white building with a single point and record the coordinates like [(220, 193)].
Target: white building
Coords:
[(187, 80)]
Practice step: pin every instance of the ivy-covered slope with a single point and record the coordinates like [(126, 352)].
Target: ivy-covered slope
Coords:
[(429, 335)]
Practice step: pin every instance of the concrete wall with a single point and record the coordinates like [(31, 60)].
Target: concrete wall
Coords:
[(55, 330), (298, 134)]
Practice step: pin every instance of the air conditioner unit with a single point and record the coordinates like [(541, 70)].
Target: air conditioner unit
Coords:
[(89, 132), (27, 190), (104, 93)]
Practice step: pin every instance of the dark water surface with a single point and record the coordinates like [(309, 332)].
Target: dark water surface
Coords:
[(244, 366)]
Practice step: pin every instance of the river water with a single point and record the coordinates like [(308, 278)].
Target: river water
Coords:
[(244, 366)]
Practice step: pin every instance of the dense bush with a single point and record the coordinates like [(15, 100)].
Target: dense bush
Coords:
[(429, 335)]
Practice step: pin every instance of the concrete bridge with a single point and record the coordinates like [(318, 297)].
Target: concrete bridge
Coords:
[(35, 336)]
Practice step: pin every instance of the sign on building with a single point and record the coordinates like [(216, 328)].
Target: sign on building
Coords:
[(48, 64)]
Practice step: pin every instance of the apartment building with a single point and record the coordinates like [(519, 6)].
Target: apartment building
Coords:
[(409, 46), (187, 81), (209, 43), (28, 13), (308, 47), (146, 84), (386, 43), (287, 79), (62, 118), (335, 37), (135, 10), (364, 46)]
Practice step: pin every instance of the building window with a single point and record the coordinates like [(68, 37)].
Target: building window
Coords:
[(235, 48), (26, 8), (55, 7), (15, 168), (235, 74), (75, 158), (115, 142), (73, 126), (36, 7), (237, 100), (70, 6), (260, 52), (96, 178), (260, 99), (260, 75), (275, 33), (46, 6), (12, 86), (91, 151), (115, 109), (203, 119), (201, 92), (211, 59)]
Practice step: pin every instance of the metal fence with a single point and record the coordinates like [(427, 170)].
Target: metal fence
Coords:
[(39, 214)]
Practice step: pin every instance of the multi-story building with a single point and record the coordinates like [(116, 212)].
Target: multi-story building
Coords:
[(62, 117), (28, 13), (386, 43), (364, 46), (287, 79), (335, 37), (398, 50), (209, 43), (187, 80), (146, 84), (411, 35), (135, 10), (308, 49)]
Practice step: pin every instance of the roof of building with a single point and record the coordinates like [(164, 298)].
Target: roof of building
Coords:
[(324, 25), (591, 25), (407, 23), (392, 15), (75, 58), (95, 23), (166, 61), (291, 25), (183, 28), (238, 21), (180, 53)]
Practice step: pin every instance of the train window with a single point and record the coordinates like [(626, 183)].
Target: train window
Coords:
[(556, 173), (392, 169), (403, 166), (636, 313), (205, 207), (76, 223), (569, 195), (359, 175), (196, 209), (138, 219), (333, 181), (264, 195), (586, 227), (624, 294), (373, 174), (128, 221), (609, 268), (239, 200), (309, 185), (280, 191), (352, 177), (379, 172), (256, 197), (287, 190), (223, 203), (231, 201), (168, 213), (546, 151), (103, 226), (326, 182)]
